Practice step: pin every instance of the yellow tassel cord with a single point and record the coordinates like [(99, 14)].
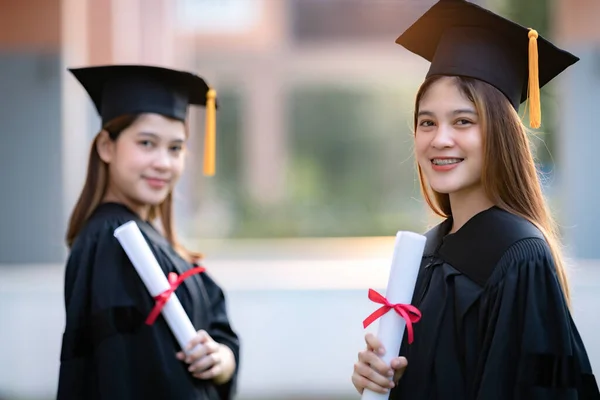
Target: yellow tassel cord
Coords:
[(210, 140), (535, 107)]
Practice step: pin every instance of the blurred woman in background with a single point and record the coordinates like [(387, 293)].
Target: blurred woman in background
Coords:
[(108, 352)]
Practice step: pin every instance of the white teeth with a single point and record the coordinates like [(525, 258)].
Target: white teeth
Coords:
[(446, 161)]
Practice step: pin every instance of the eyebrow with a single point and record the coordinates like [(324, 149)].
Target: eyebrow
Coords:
[(156, 137), (455, 112), (153, 135)]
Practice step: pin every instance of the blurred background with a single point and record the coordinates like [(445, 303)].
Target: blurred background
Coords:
[(315, 173)]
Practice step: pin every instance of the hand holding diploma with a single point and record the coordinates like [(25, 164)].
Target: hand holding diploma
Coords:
[(211, 360), (374, 373)]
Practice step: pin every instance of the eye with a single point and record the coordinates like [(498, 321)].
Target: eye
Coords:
[(176, 148), (426, 123), (146, 143), (463, 122)]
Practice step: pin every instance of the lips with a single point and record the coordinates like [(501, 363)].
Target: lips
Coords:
[(446, 161), (157, 182)]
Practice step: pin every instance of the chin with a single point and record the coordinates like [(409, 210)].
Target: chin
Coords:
[(445, 186), (453, 187), (153, 199), (443, 189)]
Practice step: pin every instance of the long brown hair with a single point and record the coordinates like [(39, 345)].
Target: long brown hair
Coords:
[(509, 176), (95, 187)]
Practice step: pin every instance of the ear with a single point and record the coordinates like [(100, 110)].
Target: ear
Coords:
[(105, 147)]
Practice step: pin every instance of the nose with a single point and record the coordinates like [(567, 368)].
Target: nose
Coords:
[(162, 160), (443, 137)]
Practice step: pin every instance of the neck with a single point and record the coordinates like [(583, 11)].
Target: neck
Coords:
[(142, 210), (466, 204)]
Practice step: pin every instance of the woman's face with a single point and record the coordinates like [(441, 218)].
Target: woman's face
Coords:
[(448, 139), (146, 160)]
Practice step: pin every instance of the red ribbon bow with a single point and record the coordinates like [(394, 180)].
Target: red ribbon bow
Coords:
[(410, 313), (174, 280)]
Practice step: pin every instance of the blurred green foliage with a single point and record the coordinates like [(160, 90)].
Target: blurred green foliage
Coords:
[(350, 170)]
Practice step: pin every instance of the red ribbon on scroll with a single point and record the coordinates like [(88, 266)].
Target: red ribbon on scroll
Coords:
[(410, 313), (174, 281)]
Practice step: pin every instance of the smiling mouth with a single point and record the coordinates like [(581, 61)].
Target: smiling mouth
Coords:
[(157, 182), (156, 179), (446, 161)]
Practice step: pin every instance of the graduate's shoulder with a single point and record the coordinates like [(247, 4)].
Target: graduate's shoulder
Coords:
[(503, 226), (521, 239), (529, 253), (95, 245), (510, 238), (100, 227), (479, 246)]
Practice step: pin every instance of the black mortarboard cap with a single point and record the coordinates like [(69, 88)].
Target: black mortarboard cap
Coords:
[(460, 38), (118, 90)]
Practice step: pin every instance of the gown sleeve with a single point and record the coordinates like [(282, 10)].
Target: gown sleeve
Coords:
[(531, 348)]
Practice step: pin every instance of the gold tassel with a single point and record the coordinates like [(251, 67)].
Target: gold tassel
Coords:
[(210, 140), (535, 107)]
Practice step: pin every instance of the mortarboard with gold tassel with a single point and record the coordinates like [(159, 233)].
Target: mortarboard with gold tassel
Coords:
[(460, 38), (118, 90)]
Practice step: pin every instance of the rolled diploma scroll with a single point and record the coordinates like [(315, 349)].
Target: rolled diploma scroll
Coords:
[(138, 251), (406, 260)]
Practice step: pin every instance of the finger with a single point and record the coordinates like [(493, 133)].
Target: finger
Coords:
[(356, 381), (399, 364), (211, 373), (211, 347), (199, 352), (180, 355), (205, 363), (373, 360), (361, 383), (374, 344), (200, 338), (370, 374)]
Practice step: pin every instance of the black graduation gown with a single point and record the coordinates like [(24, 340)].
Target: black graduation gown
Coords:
[(108, 352), (494, 323)]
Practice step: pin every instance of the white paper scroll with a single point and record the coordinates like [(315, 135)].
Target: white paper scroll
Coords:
[(138, 251), (406, 260)]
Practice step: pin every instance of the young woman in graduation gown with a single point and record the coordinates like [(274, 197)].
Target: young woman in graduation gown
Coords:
[(492, 289), (109, 349)]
